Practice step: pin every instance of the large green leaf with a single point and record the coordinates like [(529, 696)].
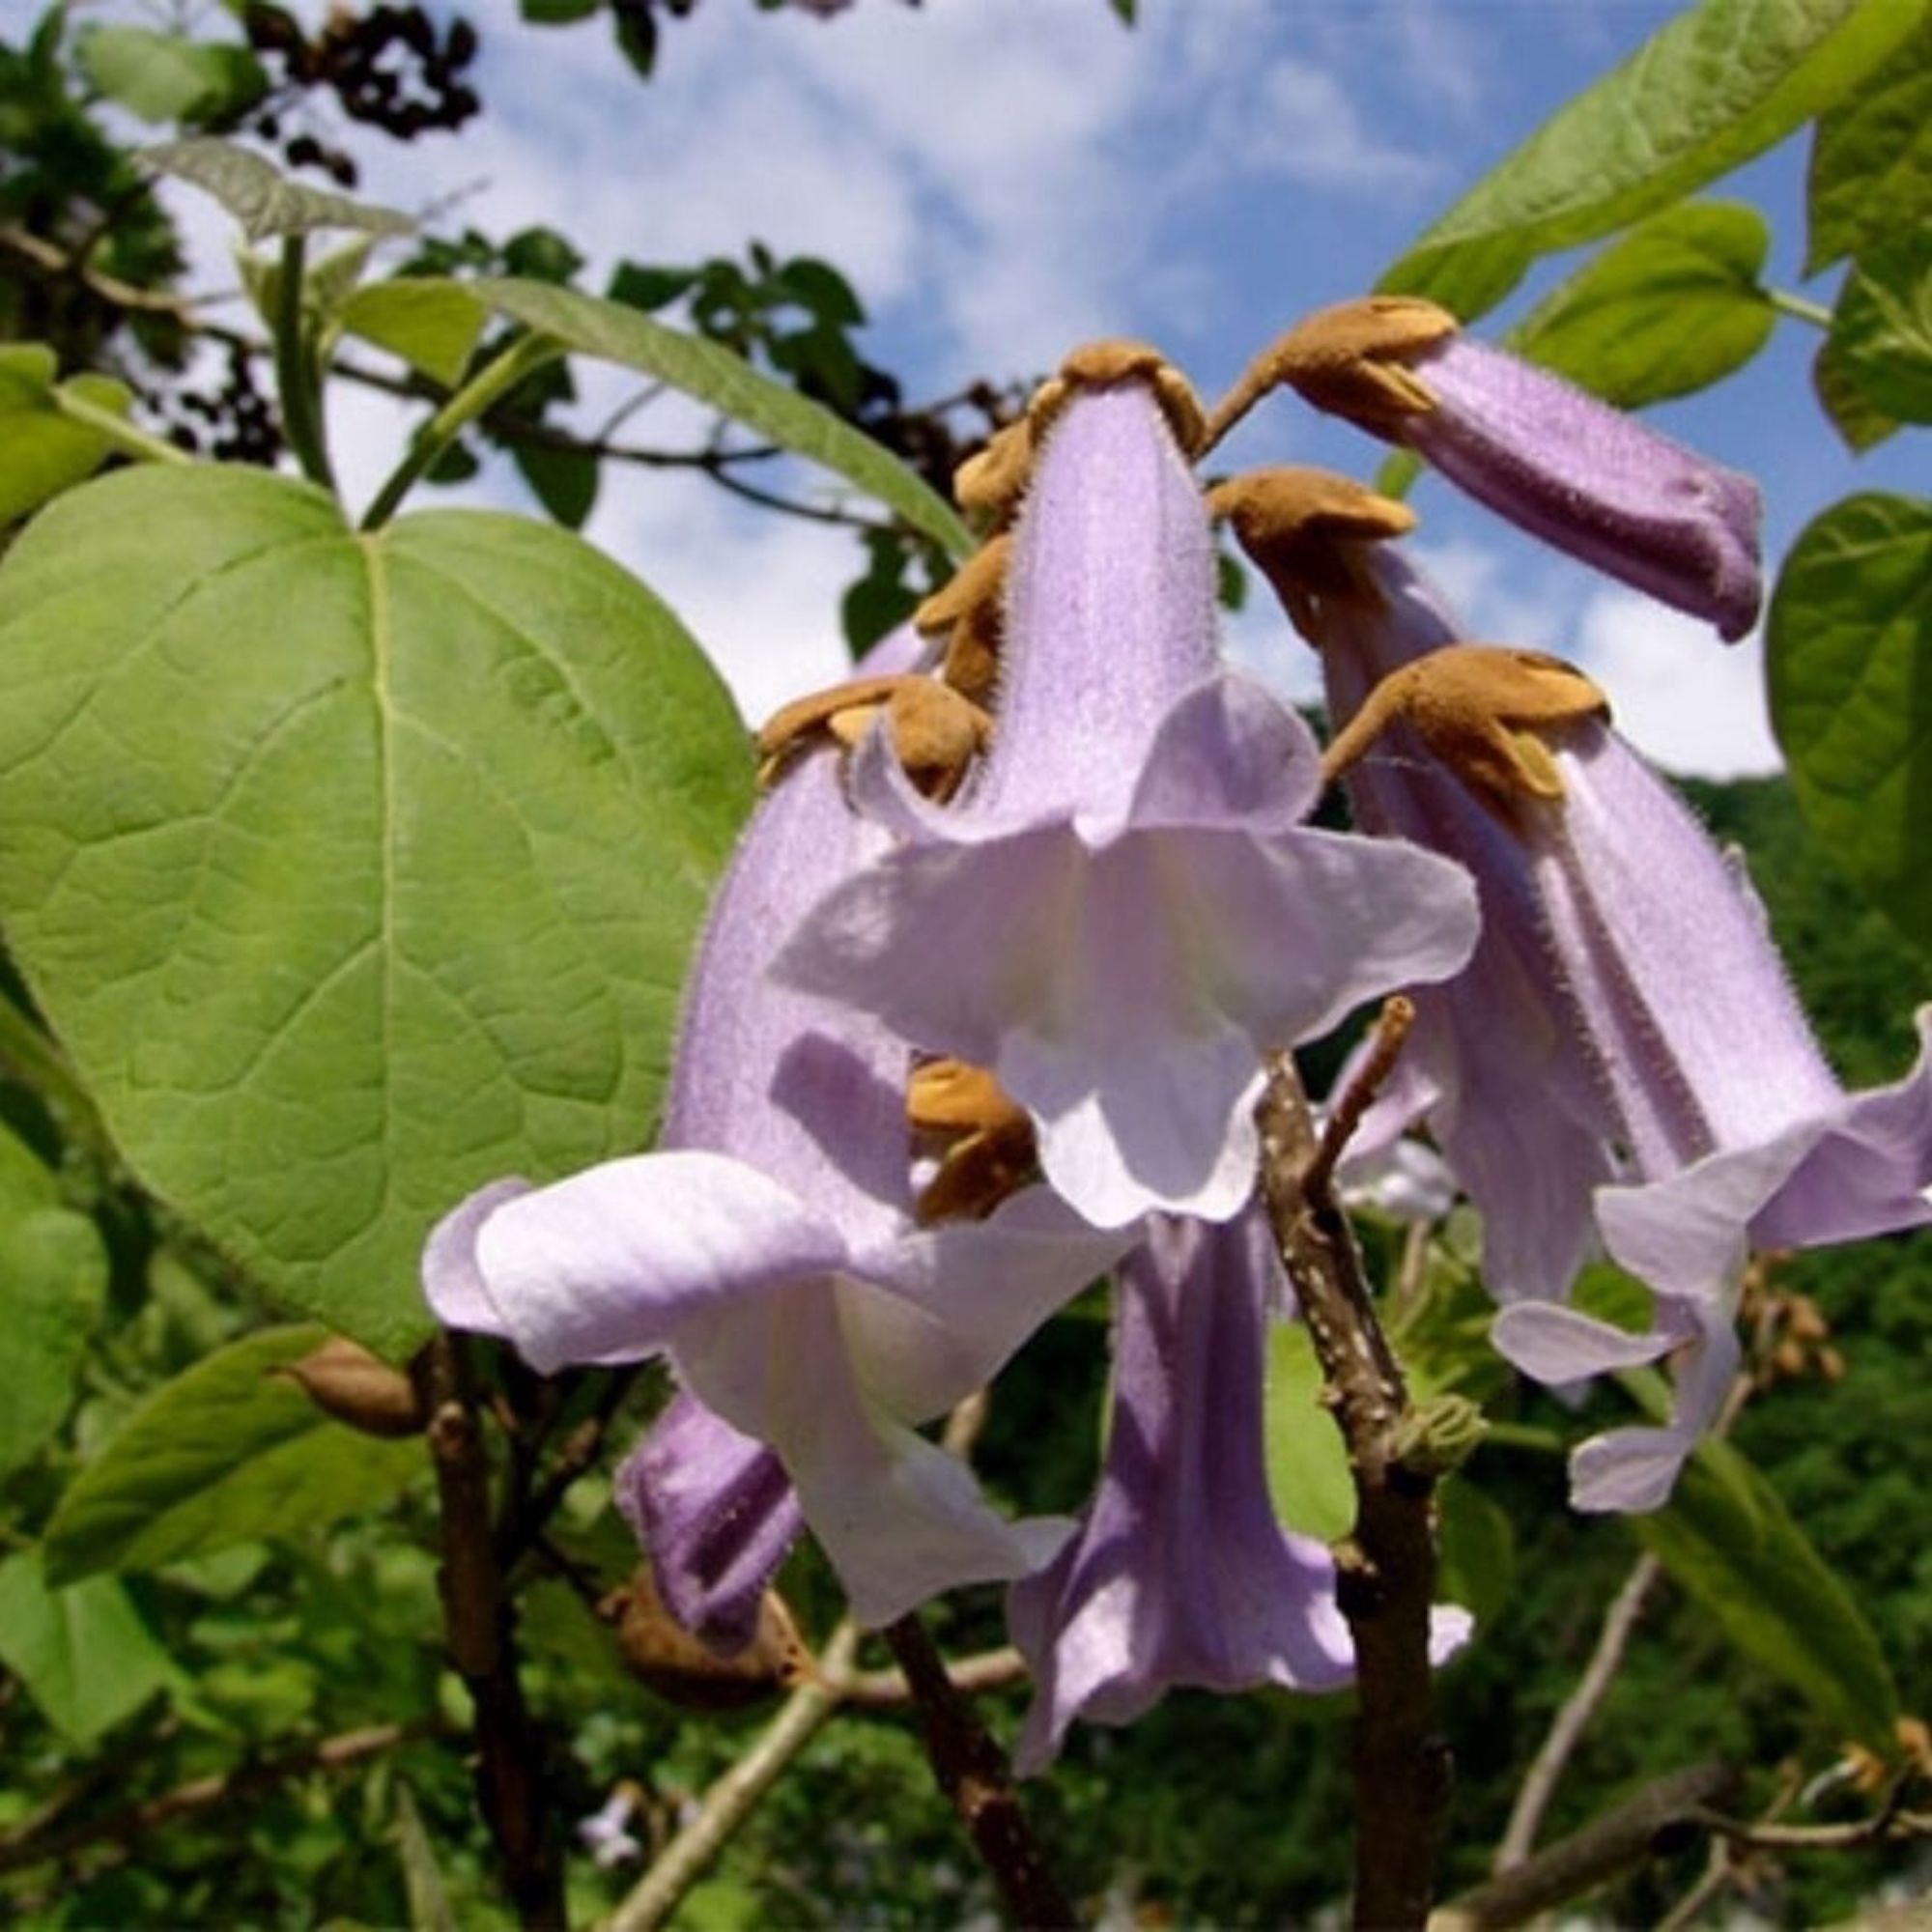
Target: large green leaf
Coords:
[(618, 334), (1729, 1542), (85, 1656), (1882, 332), (352, 870), (1842, 397), (1849, 645), (227, 1453), (1871, 159), (162, 77), (1719, 83), (42, 451), (1307, 1466), (1669, 308)]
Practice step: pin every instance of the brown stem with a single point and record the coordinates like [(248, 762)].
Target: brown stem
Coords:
[(1386, 1567), (199, 1794), (973, 1773), (482, 1646)]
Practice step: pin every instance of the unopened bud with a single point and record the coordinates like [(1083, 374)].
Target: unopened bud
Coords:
[(345, 1381), (661, 1653)]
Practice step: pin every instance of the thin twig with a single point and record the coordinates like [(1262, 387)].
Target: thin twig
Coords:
[(1606, 1846), (1539, 1784), (977, 1779), (1386, 1567), (523, 1518), (478, 1622), (731, 1799), (972, 1676), (199, 1794), (1392, 1025)]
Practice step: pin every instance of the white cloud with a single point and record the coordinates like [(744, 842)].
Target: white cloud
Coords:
[(1687, 703), (1306, 128)]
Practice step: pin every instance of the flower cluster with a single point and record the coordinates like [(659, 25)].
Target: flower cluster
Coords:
[(983, 1006)]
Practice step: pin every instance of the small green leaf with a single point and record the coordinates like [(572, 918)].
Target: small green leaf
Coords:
[(1728, 1541), (1872, 160), (261, 198), (85, 1656), (618, 334), (556, 12), (1669, 308), (163, 78), (640, 285), (1477, 1551), (432, 325), (1848, 640), (53, 1273), (1723, 81), (1844, 399), (1882, 331), (351, 871), (42, 451), (1307, 1466), (563, 480), (227, 1453)]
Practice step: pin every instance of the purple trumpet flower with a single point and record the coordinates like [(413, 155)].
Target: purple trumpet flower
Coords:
[(1181, 1574), (1124, 911), (1584, 477), (1625, 1041), (770, 1250)]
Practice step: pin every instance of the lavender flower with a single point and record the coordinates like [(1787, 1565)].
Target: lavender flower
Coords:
[(770, 1249), (1122, 911), (1582, 476), (1180, 1574), (715, 1514), (1625, 1038)]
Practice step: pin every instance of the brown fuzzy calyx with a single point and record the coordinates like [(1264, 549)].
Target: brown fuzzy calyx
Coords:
[(936, 732), (1485, 711), (1351, 360)]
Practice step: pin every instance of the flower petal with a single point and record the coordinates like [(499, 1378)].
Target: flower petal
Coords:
[(457, 1291), (605, 1266)]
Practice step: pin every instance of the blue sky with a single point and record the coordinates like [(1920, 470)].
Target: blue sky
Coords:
[(1001, 179)]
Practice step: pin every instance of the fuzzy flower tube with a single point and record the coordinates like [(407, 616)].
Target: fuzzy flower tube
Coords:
[(1122, 911), (1624, 1049), (1559, 464), (770, 1250), (1181, 1574)]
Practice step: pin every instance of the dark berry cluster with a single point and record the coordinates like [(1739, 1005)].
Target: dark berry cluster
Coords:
[(234, 423), (391, 67)]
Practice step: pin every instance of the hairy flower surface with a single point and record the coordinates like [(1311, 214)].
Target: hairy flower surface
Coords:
[(1180, 1574), (1625, 1047), (770, 1250), (1582, 476), (1124, 911)]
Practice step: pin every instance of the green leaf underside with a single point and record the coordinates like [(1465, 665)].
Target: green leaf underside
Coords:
[(1848, 641), (260, 199), (353, 871), (1671, 308), (1307, 1466), (85, 1656), (1728, 1541), (42, 453), (1714, 86), (1882, 333), (615, 332), (226, 1454), (1842, 397), (1871, 159)]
